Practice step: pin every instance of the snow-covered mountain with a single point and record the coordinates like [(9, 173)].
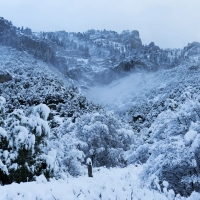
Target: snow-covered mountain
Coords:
[(96, 57), (99, 94)]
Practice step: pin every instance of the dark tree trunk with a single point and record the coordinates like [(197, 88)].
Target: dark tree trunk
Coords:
[(90, 171)]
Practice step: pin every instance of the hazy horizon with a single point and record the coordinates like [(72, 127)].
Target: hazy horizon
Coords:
[(168, 23)]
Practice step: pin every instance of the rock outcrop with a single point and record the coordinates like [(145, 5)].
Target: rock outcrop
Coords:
[(5, 76)]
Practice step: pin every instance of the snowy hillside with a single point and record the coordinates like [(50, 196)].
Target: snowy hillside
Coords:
[(96, 57), (64, 126), (163, 110), (133, 109)]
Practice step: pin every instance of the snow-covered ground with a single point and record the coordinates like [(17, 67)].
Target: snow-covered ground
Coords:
[(108, 184)]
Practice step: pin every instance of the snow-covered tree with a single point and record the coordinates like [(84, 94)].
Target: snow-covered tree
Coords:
[(24, 150)]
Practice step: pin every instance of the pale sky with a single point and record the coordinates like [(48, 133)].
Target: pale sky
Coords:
[(169, 23)]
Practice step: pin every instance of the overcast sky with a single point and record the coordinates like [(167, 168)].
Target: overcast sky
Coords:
[(169, 23)]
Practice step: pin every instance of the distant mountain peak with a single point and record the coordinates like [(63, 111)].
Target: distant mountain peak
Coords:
[(100, 55)]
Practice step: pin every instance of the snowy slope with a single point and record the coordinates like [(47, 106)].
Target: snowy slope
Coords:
[(114, 183), (163, 110)]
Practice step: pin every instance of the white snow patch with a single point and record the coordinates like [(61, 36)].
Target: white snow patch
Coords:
[(3, 167), (31, 139), (89, 161), (14, 166), (196, 142), (42, 110), (82, 60), (58, 119), (190, 136), (50, 158), (2, 101), (5, 154), (41, 179), (22, 133), (3, 132)]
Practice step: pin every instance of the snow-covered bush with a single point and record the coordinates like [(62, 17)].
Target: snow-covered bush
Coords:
[(69, 155), (166, 121), (97, 135), (23, 150), (171, 150), (106, 138)]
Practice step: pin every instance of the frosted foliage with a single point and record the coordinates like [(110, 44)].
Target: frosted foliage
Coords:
[(21, 134), (50, 158), (69, 157), (3, 132), (190, 136), (40, 125), (3, 167), (24, 147), (2, 101), (105, 136), (169, 139), (5, 154), (39, 130), (42, 111), (98, 135), (196, 143)]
